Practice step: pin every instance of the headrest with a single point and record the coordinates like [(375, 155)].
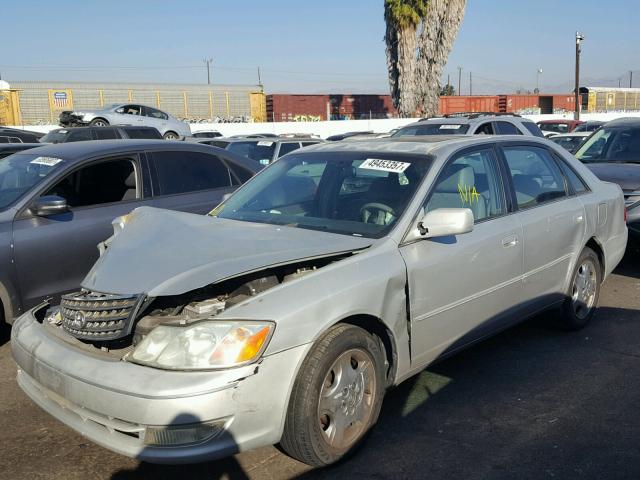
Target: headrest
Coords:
[(457, 175)]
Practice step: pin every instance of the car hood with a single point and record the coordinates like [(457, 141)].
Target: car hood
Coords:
[(162, 252), (627, 175)]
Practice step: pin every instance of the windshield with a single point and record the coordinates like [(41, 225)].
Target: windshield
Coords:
[(570, 143), (20, 172), (260, 151), (432, 129), (554, 127), (617, 144), (349, 193)]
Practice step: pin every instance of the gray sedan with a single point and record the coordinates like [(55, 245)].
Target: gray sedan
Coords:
[(128, 114), (337, 272)]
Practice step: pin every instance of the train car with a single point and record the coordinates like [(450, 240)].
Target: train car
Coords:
[(606, 99)]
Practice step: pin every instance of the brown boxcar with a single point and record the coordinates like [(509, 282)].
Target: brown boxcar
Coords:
[(296, 108)]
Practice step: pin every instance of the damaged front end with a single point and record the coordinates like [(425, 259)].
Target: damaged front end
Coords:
[(178, 332)]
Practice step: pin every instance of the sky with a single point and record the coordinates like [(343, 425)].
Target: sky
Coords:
[(332, 46)]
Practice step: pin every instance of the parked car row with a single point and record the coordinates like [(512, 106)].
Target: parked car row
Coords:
[(286, 313)]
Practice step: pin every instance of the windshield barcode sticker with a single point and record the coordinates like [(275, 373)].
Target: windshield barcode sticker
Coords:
[(264, 143), (384, 165), (48, 161), (450, 126)]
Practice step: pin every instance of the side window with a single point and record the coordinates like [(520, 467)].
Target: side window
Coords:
[(288, 148), (485, 129), (574, 180), (242, 174), (536, 177), (148, 133), (183, 172), (104, 182), (105, 133), (306, 144), (533, 129), (153, 113), (129, 110), (506, 128), (470, 181)]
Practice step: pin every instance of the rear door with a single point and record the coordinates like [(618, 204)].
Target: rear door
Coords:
[(464, 287), (155, 118), (53, 254), (553, 221), (189, 181)]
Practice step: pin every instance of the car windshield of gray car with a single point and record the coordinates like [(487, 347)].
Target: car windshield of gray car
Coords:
[(432, 129), (613, 144), (20, 172), (362, 194)]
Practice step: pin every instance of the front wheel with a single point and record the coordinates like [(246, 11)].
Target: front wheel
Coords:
[(584, 290), (170, 136), (99, 122), (337, 396)]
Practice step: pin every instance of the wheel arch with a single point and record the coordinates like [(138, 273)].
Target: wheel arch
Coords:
[(377, 327), (596, 246)]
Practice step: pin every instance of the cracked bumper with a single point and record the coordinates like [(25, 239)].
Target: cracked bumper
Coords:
[(116, 404)]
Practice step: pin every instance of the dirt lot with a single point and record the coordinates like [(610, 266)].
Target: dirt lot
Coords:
[(532, 402)]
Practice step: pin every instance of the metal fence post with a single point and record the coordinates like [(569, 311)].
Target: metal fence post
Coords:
[(186, 104)]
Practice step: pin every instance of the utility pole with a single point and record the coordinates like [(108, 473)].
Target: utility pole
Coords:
[(579, 39), (619, 82), (208, 62), (470, 84), (538, 73), (459, 80), (259, 79), (448, 91), (630, 78)]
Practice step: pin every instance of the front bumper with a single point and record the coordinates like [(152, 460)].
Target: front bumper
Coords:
[(67, 119), (115, 403)]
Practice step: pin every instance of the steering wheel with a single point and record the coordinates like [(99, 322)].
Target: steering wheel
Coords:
[(375, 213)]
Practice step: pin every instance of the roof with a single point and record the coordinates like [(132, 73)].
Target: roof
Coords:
[(421, 145), (625, 121), (77, 151)]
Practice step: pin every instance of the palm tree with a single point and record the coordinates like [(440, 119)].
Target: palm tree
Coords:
[(419, 37)]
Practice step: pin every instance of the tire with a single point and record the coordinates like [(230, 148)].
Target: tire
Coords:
[(584, 290), (99, 122), (346, 366), (171, 136)]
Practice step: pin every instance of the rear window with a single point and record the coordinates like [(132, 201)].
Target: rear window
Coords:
[(106, 133), (148, 133), (55, 137), (432, 128), (260, 151)]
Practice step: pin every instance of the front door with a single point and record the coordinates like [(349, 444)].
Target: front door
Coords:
[(53, 254), (462, 287)]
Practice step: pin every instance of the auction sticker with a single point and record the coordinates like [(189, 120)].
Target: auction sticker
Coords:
[(48, 161), (384, 165), (450, 126), (264, 143)]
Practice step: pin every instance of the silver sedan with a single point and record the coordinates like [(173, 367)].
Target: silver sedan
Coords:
[(128, 114), (337, 272)]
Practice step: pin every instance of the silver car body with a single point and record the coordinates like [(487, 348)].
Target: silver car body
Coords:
[(431, 297), (117, 114)]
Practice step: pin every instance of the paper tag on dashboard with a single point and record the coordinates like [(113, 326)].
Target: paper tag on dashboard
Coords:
[(384, 165), (449, 126), (264, 143), (48, 161)]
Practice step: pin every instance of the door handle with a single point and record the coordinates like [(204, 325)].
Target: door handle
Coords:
[(510, 241)]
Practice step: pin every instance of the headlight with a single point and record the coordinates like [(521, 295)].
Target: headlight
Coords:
[(204, 345)]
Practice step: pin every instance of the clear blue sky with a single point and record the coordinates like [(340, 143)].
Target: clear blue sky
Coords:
[(327, 46)]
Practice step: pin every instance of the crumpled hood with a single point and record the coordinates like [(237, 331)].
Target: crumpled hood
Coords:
[(627, 175), (163, 252)]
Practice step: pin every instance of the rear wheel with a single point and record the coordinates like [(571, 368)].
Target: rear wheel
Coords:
[(584, 290), (99, 122), (170, 136), (337, 396)]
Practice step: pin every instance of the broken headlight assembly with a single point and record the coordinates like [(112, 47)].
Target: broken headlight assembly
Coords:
[(204, 345)]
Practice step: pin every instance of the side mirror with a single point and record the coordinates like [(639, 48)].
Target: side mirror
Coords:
[(442, 222), (49, 205)]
